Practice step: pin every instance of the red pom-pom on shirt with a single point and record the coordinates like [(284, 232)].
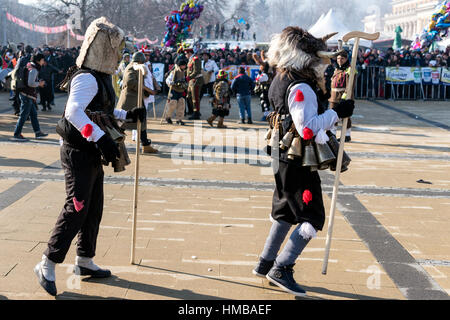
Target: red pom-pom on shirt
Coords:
[(299, 97), (87, 131), (307, 197), (308, 133)]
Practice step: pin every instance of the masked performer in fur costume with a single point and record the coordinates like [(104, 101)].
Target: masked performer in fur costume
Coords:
[(86, 145), (221, 100), (297, 94), (178, 86), (263, 82)]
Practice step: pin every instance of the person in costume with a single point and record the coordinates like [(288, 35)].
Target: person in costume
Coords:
[(195, 79), (84, 146), (297, 95), (178, 86), (339, 82), (129, 97), (262, 85), (221, 100)]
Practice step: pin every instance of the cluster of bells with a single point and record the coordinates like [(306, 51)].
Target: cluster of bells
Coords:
[(315, 155), (117, 135)]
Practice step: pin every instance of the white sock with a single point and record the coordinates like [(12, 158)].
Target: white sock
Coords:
[(48, 268), (133, 135), (86, 263), (349, 132)]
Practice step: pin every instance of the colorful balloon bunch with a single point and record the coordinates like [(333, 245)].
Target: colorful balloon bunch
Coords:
[(179, 23), (438, 27)]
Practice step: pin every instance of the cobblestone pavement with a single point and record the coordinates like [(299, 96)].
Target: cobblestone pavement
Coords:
[(204, 205)]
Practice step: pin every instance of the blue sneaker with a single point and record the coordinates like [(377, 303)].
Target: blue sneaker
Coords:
[(283, 278), (40, 135), (263, 267)]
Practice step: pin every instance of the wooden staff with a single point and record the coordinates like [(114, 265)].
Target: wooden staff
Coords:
[(136, 168), (165, 107), (356, 35)]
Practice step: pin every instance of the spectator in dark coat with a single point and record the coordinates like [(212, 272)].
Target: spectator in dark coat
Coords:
[(243, 86)]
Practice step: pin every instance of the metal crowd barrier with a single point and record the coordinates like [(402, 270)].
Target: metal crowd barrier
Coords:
[(371, 84)]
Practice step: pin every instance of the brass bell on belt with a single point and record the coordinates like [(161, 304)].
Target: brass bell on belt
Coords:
[(334, 145), (325, 155), (275, 139), (115, 134), (268, 135), (295, 150), (287, 140), (309, 157)]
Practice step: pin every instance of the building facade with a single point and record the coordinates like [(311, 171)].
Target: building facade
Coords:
[(411, 15)]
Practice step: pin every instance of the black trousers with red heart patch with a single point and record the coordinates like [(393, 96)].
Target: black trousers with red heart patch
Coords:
[(83, 208)]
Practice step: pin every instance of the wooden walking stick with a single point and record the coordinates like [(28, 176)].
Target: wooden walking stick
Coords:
[(165, 107), (351, 35), (136, 169)]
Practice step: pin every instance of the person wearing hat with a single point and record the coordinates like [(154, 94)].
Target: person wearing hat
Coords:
[(339, 89), (129, 98), (178, 86), (210, 69), (221, 100), (195, 79), (84, 145)]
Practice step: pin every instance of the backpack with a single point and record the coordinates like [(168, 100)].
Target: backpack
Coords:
[(18, 76)]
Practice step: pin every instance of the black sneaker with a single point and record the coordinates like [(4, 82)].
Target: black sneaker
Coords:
[(283, 278), (249, 121), (41, 135), (20, 138), (242, 121), (100, 273), (195, 116), (180, 122), (262, 268), (169, 121)]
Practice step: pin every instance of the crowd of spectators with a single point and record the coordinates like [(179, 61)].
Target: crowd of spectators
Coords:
[(57, 60), (223, 57), (405, 57)]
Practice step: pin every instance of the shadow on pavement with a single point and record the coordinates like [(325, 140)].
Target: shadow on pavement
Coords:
[(3, 298), (11, 162), (142, 287)]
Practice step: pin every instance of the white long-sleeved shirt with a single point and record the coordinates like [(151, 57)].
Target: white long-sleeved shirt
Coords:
[(211, 65), (304, 113), (82, 90)]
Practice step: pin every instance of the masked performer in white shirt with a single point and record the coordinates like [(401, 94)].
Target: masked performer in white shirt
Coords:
[(298, 96), (86, 146)]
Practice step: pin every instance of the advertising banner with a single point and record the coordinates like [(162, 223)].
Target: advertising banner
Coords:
[(158, 71), (400, 75), (445, 76)]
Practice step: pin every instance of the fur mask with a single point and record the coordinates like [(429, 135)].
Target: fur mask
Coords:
[(296, 50), (102, 46)]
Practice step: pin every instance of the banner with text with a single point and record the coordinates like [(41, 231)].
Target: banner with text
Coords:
[(445, 76), (414, 75)]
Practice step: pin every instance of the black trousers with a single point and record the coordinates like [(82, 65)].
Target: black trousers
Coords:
[(46, 95), (83, 208)]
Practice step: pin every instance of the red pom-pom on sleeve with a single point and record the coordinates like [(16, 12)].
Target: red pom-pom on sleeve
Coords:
[(307, 197), (308, 133), (87, 131), (299, 97)]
